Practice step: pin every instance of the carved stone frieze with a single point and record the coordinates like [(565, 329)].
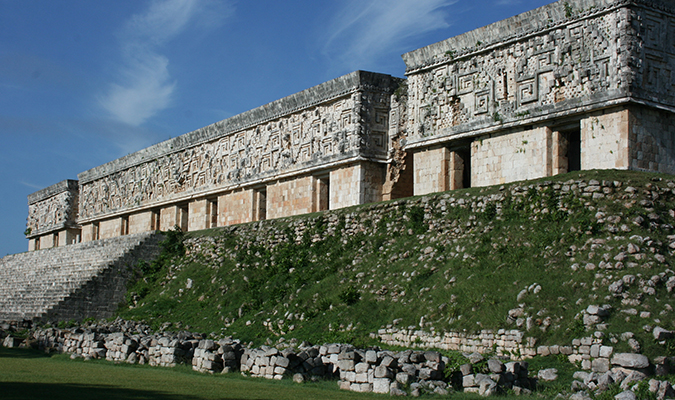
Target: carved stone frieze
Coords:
[(52, 209), (557, 68), (353, 124), (569, 56)]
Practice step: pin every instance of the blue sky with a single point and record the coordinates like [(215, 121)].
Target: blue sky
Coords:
[(83, 82)]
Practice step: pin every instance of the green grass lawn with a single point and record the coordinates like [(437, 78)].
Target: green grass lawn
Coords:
[(27, 374)]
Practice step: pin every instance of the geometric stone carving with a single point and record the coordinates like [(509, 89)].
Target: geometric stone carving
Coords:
[(320, 125), (52, 208)]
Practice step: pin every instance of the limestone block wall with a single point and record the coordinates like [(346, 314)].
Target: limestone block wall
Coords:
[(292, 197), (143, 221), (652, 49), (237, 207), (576, 84), (502, 86), (431, 170), (360, 183), (651, 140), (604, 138), (510, 157), (172, 216), (111, 228), (202, 214), (563, 58)]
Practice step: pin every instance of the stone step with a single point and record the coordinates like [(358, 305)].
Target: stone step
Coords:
[(54, 281)]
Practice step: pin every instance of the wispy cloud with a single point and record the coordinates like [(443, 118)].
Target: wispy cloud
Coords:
[(365, 30), (31, 185), (145, 86)]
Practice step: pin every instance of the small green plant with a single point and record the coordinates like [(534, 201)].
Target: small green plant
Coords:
[(27, 231), (401, 91), (350, 295), (416, 221), (490, 211), (568, 10)]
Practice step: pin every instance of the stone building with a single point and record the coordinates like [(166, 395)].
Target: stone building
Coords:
[(576, 84)]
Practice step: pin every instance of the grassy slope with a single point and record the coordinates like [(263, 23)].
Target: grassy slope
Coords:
[(429, 261)]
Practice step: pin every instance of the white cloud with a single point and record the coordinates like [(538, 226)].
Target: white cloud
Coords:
[(365, 30), (145, 86), (147, 89)]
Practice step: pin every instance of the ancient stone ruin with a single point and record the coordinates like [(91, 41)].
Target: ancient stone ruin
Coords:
[(576, 84)]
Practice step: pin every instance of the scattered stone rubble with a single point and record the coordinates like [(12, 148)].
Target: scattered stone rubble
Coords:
[(498, 377), (361, 370), (627, 370)]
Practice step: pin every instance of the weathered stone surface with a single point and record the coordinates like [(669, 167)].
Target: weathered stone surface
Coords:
[(629, 360), (549, 374), (600, 365), (496, 366), (626, 395), (661, 333)]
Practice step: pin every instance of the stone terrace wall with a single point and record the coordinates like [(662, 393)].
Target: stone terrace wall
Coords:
[(336, 122), (73, 282)]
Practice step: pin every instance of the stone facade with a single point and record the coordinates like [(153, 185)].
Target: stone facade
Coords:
[(575, 78), (52, 216), (576, 84)]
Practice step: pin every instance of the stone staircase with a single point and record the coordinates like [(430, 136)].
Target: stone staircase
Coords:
[(72, 282)]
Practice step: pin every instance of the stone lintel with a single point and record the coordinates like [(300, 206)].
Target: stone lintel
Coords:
[(546, 117), (53, 229)]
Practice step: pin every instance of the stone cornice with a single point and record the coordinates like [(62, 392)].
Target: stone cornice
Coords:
[(63, 186)]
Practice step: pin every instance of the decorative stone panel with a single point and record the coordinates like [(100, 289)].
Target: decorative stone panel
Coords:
[(53, 209), (334, 122), (565, 58)]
